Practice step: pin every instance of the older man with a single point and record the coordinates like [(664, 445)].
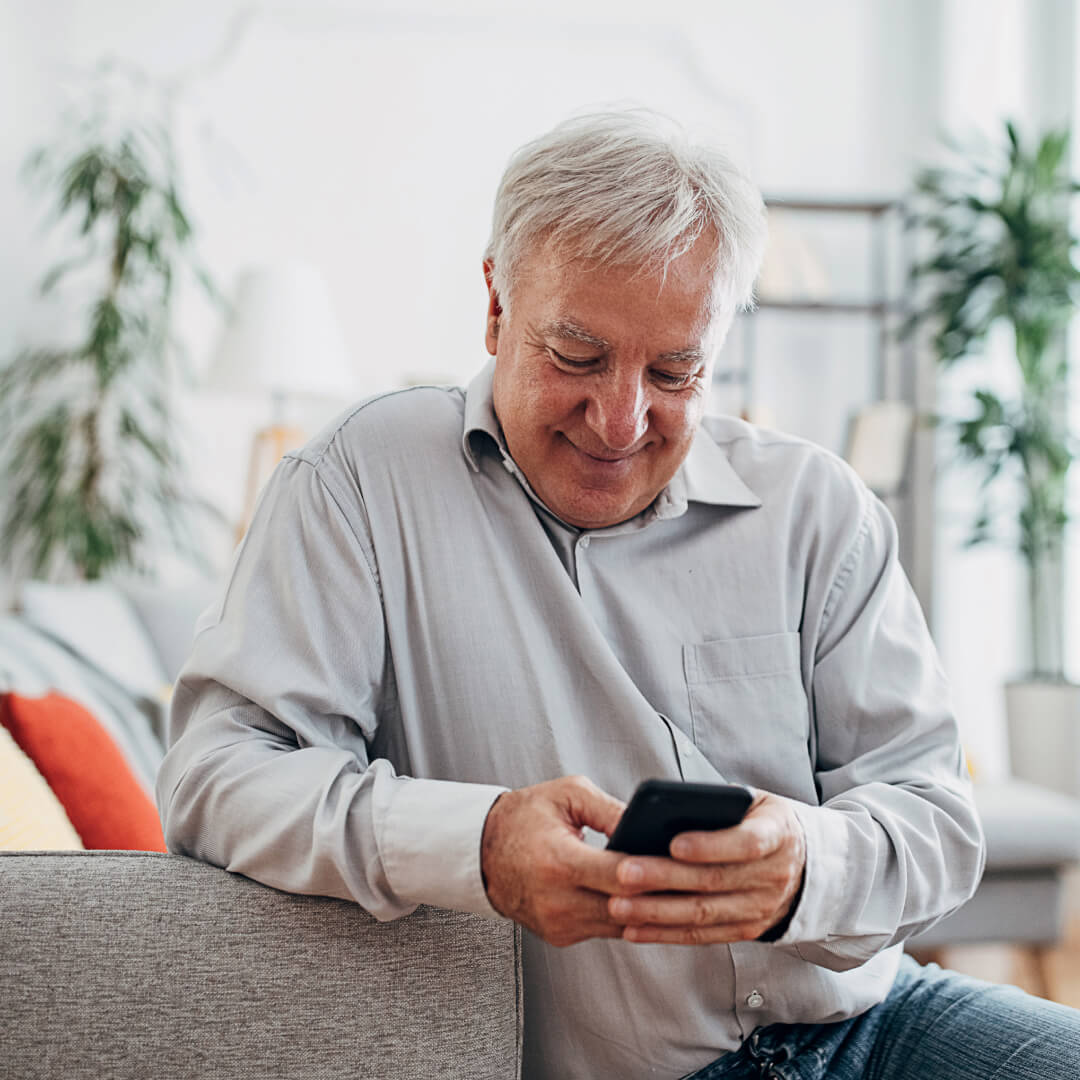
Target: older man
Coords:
[(465, 624)]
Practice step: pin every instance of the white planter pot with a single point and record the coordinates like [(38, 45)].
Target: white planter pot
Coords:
[(1044, 733)]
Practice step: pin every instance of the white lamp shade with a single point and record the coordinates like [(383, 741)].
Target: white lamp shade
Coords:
[(282, 337)]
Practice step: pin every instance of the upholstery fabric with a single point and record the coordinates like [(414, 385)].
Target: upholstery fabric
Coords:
[(88, 774), (135, 965), (31, 816)]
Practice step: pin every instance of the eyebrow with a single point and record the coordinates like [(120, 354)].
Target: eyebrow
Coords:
[(567, 329), (690, 356)]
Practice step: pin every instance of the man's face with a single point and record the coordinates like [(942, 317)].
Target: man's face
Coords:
[(601, 379)]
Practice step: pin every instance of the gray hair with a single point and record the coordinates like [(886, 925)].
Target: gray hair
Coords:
[(627, 188)]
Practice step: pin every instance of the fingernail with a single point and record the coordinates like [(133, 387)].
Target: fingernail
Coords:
[(620, 908), (631, 873), (680, 848)]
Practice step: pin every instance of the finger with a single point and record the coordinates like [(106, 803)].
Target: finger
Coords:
[(572, 935), (693, 935), (757, 837), (587, 804), (691, 909), (571, 915), (587, 867), (572, 908), (642, 874)]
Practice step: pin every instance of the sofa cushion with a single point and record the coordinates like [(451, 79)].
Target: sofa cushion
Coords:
[(168, 615), (86, 771), (1027, 827), (95, 620), (31, 817)]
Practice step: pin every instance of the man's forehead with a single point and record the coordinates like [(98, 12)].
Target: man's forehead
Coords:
[(561, 276)]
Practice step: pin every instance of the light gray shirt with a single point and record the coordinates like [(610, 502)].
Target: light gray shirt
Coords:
[(406, 632)]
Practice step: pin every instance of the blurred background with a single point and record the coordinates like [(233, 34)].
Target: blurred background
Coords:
[(324, 174)]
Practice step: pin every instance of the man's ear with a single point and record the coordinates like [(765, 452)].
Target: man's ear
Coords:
[(494, 310)]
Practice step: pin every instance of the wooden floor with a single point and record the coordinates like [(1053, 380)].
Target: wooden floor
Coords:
[(1000, 963)]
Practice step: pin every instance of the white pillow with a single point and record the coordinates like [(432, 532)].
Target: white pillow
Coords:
[(98, 623), (169, 616)]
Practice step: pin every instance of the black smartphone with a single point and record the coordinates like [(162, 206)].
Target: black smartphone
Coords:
[(661, 809)]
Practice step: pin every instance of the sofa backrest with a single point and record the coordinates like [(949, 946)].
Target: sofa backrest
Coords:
[(134, 965)]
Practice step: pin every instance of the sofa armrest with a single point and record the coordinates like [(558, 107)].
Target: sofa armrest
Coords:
[(132, 965)]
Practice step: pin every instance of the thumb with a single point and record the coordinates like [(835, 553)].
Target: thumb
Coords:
[(589, 805)]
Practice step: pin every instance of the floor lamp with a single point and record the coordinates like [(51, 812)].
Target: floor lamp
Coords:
[(281, 340)]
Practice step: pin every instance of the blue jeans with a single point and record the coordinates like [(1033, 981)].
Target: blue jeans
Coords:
[(934, 1025)]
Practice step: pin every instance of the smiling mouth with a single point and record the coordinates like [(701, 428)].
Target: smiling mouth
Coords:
[(606, 459), (603, 457), (608, 462)]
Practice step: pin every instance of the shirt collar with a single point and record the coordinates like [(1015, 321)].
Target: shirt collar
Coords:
[(709, 476), (480, 415), (705, 476)]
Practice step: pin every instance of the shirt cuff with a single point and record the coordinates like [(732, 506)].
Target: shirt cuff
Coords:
[(430, 844), (825, 879)]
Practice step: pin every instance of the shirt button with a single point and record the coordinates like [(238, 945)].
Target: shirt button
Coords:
[(754, 1000), (584, 542), (686, 750)]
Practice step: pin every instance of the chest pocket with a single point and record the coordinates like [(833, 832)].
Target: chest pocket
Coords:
[(749, 711)]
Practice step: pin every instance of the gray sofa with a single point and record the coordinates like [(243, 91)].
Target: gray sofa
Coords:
[(133, 965)]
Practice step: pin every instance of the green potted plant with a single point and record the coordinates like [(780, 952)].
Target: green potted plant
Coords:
[(90, 470), (1001, 254)]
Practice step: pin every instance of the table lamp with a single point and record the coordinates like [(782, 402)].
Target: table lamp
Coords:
[(281, 339)]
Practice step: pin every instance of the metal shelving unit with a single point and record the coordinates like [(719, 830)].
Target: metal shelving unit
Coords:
[(896, 373)]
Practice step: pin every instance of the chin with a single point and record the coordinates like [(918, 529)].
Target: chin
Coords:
[(598, 514)]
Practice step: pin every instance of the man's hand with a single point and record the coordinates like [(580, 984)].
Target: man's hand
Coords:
[(537, 868), (722, 886)]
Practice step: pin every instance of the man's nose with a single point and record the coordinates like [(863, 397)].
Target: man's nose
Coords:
[(618, 411)]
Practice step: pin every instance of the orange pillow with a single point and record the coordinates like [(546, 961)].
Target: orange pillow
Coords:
[(85, 770)]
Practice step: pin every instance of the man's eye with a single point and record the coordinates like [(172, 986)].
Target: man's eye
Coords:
[(574, 363), (675, 380)]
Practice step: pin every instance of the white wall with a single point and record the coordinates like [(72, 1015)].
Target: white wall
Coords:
[(1004, 58), (368, 138)]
